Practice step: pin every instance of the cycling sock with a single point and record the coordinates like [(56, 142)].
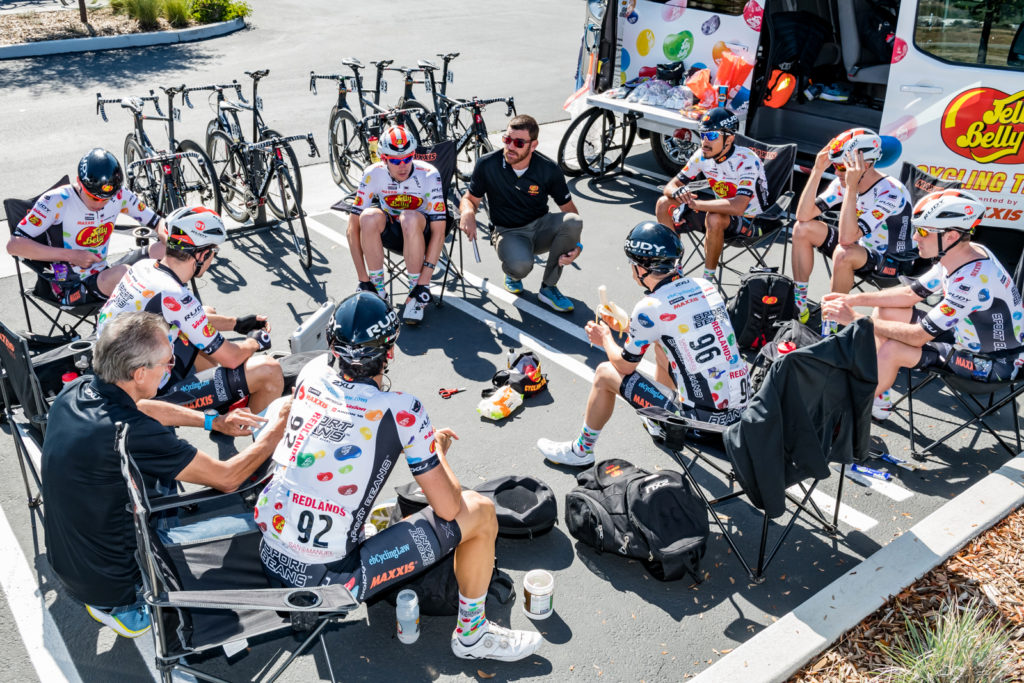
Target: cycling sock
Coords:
[(800, 295), (377, 278), (587, 439), (709, 274), (413, 279), (472, 620)]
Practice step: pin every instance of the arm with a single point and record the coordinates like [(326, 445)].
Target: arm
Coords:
[(433, 250), (439, 484), (468, 206), (849, 230), (806, 209), (601, 335), (232, 354), (26, 247), (238, 422), (672, 187), (569, 207), (729, 207), (911, 334)]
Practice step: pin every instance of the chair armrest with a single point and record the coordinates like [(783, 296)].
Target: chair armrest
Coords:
[(332, 598), (173, 501), (779, 210)]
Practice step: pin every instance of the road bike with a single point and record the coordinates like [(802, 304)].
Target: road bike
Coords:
[(473, 142)]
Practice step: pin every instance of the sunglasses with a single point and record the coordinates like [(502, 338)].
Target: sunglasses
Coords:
[(923, 232), (840, 168), (90, 195), (518, 143), (399, 161), (711, 135)]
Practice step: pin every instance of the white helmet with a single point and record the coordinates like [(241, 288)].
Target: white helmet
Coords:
[(192, 229), (852, 141), (396, 141), (948, 210)]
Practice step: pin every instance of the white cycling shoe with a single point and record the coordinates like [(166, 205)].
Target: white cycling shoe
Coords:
[(563, 453), (499, 643)]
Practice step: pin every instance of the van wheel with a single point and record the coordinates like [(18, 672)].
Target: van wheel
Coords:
[(672, 152)]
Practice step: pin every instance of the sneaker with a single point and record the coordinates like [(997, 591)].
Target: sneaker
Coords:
[(498, 643), (130, 623), (804, 315), (813, 91), (881, 407), (417, 302), (836, 92), (563, 453), (555, 299), (514, 286), (368, 287)]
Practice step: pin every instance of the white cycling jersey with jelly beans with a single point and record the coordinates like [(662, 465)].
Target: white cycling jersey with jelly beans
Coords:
[(687, 317), (83, 228), (343, 440), (421, 191), (883, 214), (740, 174)]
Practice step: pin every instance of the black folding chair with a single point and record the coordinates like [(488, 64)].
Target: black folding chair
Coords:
[(209, 594)]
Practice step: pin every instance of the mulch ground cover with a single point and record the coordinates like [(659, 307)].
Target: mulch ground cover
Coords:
[(28, 27)]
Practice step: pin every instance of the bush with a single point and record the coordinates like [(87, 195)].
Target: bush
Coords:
[(119, 6), (146, 12), (210, 11), (178, 12)]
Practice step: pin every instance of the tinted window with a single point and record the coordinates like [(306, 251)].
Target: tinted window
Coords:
[(733, 7), (977, 32)]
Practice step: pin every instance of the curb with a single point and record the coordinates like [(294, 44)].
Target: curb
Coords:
[(56, 47), (783, 648)]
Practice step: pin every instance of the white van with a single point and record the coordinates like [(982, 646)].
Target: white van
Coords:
[(945, 77)]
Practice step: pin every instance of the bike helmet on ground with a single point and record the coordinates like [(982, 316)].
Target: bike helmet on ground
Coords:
[(653, 247), (720, 119), (948, 210), (362, 331), (396, 141), (852, 141), (192, 229), (100, 174)]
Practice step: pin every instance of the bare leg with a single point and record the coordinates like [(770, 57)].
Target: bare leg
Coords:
[(806, 236), (266, 381), (601, 401), (714, 230), (845, 260), (474, 558)]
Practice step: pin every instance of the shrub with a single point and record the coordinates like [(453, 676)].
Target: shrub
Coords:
[(178, 12), (210, 11), (146, 12), (119, 6)]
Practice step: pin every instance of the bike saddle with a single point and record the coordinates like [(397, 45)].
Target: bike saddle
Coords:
[(229, 106), (426, 64), (449, 56), (353, 62), (133, 103), (257, 75), (383, 63), (173, 90)]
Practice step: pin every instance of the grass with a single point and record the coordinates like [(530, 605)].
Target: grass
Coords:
[(178, 12)]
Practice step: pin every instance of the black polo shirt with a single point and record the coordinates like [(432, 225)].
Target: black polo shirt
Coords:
[(514, 201), (90, 538)]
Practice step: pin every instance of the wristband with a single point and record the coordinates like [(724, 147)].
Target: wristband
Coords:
[(262, 338), (208, 417), (579, 246)]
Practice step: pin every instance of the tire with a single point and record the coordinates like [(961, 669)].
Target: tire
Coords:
[(671, 152), (348, 155), (600, 147), (568, 157), (292, 162), (282, 181), (145, 182), (467, 156), (197, 180), (230, 168), (415, 123)]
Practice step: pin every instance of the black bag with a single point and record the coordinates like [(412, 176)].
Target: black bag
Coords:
[(438, 590), (765, 298), (790, 335), (671, 73), (525, 506), (655, 518), (523, 375)]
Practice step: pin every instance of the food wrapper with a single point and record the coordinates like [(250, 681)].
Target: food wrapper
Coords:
[(500, 404)]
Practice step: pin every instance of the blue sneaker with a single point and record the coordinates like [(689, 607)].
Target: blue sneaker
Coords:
[(555, 299), (130, 622), (836, 92), (514, 286)]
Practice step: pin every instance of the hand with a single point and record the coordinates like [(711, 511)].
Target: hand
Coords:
[(570, 256), (275, 432), (81, 258), (247, 323), (597, 333), (467, 224), (821, 160), (856, 167), (836, 307), (683, 195), (443, 437), (262, 338), (239, 422)]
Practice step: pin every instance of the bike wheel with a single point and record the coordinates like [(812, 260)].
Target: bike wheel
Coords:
[(417, 123), (568, 155), (466, 157), (285, 186), (348, 154), (291, 161), (144, 180), (197, 180), (600, 147), (231, 172), (672, 152)]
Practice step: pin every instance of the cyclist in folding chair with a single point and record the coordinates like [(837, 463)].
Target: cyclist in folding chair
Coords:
[(736, 176), (696, 351), (874, 221), (409, 217), (86, 211), (980, 313)]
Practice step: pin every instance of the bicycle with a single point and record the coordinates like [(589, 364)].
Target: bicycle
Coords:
[(474, 142), (355, 150), (168, 180), (226, 119), (248, 173)]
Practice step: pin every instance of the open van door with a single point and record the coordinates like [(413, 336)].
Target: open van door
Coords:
[(955, 98)]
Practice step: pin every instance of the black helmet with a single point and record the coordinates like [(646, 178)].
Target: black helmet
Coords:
[(362, 332), (654, 247), (100, 173), (721, 119)]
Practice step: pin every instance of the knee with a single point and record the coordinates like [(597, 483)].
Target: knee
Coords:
[(264, 372), (716, 222), (482, 513), (517, 268), (411, 221), (663, 204), (802, 231), (607, 377), (844, 257), (572, 221)]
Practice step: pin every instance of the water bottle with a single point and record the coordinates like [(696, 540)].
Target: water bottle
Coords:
[(407, 616), (374, 157), (511, 357)]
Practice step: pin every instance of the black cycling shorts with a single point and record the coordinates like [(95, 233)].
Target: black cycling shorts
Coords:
[(92, 282), (876, 262), (402, 550), (641, 392), (216, 388), (392, 237), (687, 220), (942, 354)]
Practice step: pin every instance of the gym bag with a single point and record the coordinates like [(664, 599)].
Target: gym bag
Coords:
[(765, 297), (438, 590), (654, 518), (525, 506), (790, 336)]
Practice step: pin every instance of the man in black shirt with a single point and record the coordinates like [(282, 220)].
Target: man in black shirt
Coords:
[(89, 533), (517, 183)]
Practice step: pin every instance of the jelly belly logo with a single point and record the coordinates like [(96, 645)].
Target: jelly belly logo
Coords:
[(985, 125), (94, 236), (401, 202)]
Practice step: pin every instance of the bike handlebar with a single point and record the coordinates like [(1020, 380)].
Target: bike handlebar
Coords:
[(475, 103), (135, 104), (314, 77), (220, 88), (273, 143)]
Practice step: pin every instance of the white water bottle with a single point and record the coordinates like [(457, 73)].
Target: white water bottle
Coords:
[(407, 616)]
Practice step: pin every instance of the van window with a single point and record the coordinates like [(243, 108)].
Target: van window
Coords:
[(976, 32), (730, 7)]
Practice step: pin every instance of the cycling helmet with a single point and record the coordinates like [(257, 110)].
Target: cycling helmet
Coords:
[(363, 330), (721, 119), (396, 141), (100, 174), (653, 247), (192, 229), (852, 141), (948, 210)]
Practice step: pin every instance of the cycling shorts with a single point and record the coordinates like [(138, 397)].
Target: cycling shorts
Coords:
[(828, 247), (641, 392), (216, 388), (392, 237), (942, 354), (686, 220)]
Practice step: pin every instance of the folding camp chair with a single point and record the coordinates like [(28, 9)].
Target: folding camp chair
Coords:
[(758, 234), (442, 157), (208, 594)]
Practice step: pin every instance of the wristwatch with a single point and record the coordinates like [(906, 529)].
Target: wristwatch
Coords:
[(210, 416)]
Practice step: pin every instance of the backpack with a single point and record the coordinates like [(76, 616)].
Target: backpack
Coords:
[(791, 335), (525, 506), (438, 589), (655, 518), (765, 297)]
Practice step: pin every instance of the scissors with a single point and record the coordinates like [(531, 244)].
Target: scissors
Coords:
[(448, 393)]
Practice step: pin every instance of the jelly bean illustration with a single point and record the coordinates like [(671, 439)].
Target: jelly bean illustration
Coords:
[(305, 459), (406, 419), (347, 452), (324, 476), (374, 415), (711, 25), (347, 490), (278, 522), (677, 46), (644, 42), (366, 432)]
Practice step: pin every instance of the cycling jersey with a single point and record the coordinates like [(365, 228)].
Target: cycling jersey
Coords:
[(421, 191), (883, 214), (81, 227), (688, 318), (151, 286), (343, 440), (741, 174), (979, 303)]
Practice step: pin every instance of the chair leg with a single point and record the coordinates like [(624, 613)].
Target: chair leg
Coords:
[(301, 649), (327, 659)]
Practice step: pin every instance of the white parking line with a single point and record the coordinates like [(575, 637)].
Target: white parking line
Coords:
[(886, 488), (853, 518)]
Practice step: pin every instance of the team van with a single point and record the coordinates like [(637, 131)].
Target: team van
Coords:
[(944, 77)]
